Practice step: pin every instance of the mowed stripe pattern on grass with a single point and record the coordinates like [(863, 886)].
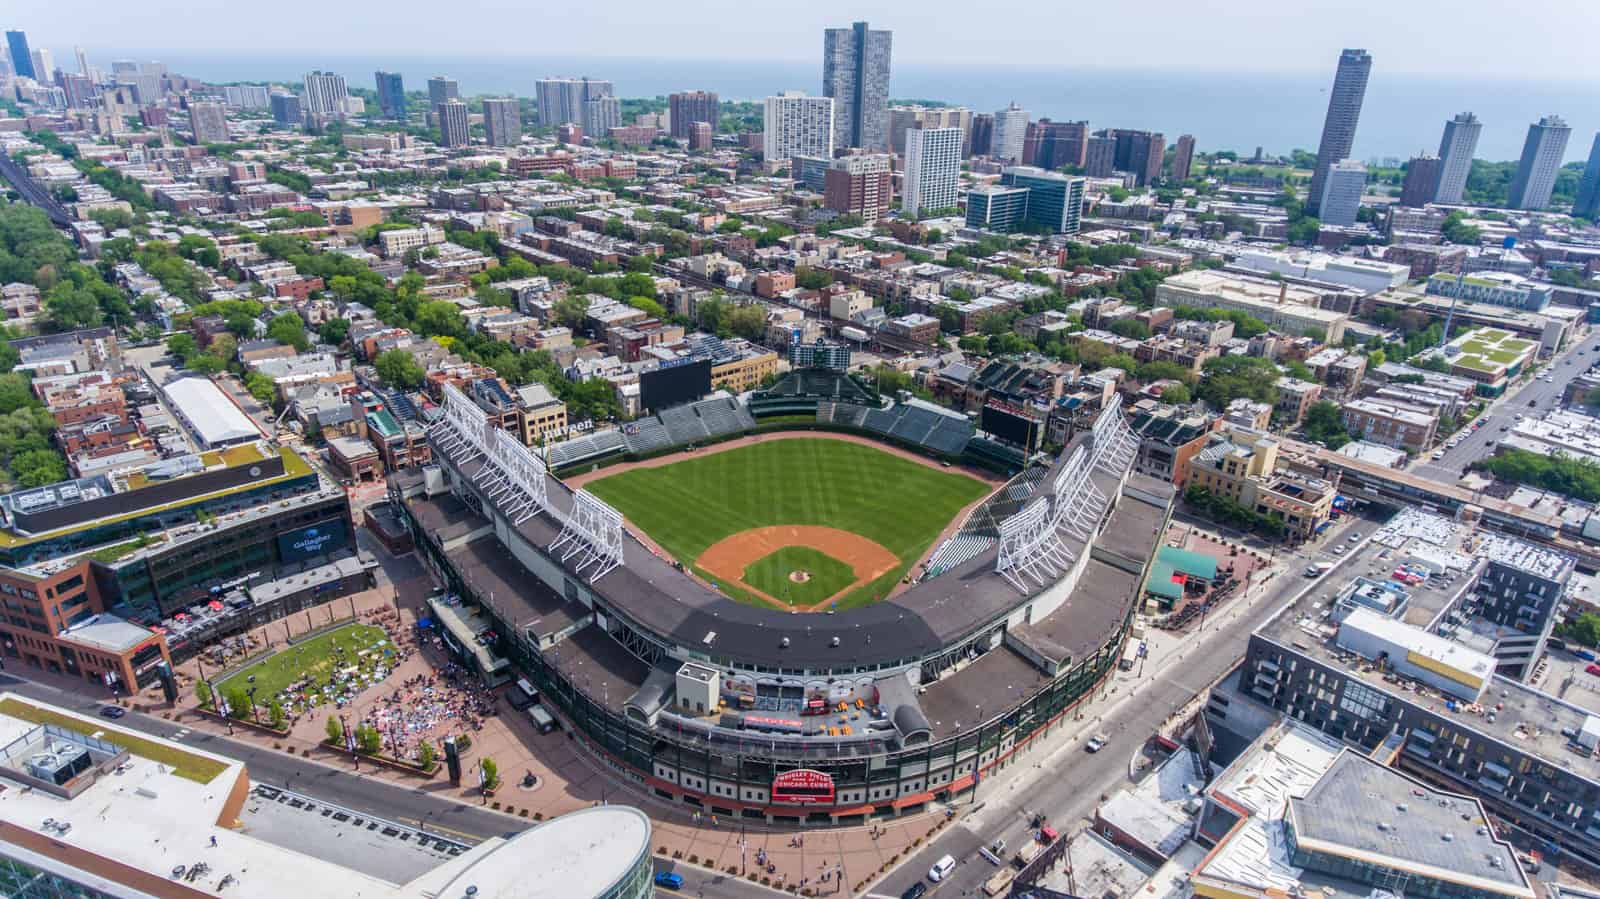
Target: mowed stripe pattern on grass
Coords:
[(689, 505)]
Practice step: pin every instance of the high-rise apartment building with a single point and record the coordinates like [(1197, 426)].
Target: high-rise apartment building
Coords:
[(687, 107), (1051, 145), (391, 95), (286, 110), (855, 74), (601, 114), (1422, 181), (1100, 155), (21, 59), (932, 170), (1542, 154), (44, 66), (82, 59), (561, 100), (453, 128), (1183, 158), (247, 96), (794, 124), (325, 94), (1588, 201), (859, 185), (209, 122), (1140, 152), (701, 136), (1456, 147), (1342, 188), (1010, 130), (442, 89), (1344, 111), (980, 140), (502, 121), (903, 118)]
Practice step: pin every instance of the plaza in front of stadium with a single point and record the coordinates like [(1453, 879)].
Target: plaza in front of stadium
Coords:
[(959, 601)]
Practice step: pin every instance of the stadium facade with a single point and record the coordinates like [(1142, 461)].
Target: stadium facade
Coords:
[(756, 713)]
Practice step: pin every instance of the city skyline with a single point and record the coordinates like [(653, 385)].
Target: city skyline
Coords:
[(1013, 33)]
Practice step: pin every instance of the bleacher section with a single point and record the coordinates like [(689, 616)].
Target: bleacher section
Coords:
[(678, 426), (818, 383), (582, 449), (955, 552)]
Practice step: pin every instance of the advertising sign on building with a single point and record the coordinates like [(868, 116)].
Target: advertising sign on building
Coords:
[(803, 786)]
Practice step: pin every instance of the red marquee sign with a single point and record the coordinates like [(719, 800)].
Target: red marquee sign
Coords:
[(803, 786)]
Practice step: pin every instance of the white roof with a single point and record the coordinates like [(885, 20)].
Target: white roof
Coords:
[(583, 853), (209, 412)]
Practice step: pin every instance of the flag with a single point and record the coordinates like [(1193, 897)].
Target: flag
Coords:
[(1180, 578)]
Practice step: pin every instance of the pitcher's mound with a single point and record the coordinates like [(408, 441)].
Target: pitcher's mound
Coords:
[(799, 577)]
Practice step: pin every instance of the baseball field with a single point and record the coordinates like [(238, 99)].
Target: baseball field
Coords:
[(804, 523)]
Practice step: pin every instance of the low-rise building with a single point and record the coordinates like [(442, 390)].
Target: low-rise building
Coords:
[(1400, 425), (1244, 467), (1282, 306)]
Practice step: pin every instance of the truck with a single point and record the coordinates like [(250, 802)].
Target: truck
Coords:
[(542, 719), (1026, 853), (999, 882), (1318, 569)]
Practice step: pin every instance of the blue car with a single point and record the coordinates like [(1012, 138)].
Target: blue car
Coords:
[(669, 879)]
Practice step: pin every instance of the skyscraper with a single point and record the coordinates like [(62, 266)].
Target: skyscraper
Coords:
[(83, 60), (1422, 181), (981, 138), (1140, 152), (1051, 145), (325, 94), (794, 124), (21, 59), (1588, 202), (561, 100), (1456, 147), (687, 107), (453, 129), (44, 65), (1100, 155), (1344, 111), (859, 185), (855, 74), (502, 121), (701, 137), (601, 114), (1183, 158), (286, 110), (391, 95), (904, 118), (1010, 129), (209, 122), (1342, 188), (442, 88), (1055, 201), (933, 168), (1542, 153)]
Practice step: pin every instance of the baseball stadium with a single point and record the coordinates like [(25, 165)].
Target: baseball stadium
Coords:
[(810, 606)]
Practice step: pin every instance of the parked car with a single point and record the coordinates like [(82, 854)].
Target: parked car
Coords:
[(112, 711), (669, 879), (942, 868), (915, 891), (1584, 654), (1593, 669), (1096, 743)]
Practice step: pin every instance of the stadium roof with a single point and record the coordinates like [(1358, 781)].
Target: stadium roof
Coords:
[(214, 418)]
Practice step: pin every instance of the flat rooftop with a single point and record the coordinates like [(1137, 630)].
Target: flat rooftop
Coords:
[(1363, 809)]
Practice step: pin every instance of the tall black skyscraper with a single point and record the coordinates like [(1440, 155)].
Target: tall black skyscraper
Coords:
[(1588, 202), (391, 95), (21, 58), (855, 73), (1344, 111)]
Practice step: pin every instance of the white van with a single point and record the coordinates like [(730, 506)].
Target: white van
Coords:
[(941, 869), (542, 719)]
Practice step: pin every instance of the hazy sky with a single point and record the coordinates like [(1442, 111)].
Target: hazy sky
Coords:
[(1531, 39)]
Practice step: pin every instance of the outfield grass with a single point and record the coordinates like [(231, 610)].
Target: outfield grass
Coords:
[(317, 657), (689, 505), (771, 575)]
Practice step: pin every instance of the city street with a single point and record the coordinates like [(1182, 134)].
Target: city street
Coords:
[(1500, 416), (1063, 781)]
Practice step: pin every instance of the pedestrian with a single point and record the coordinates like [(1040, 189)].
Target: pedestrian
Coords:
[(213, 841)]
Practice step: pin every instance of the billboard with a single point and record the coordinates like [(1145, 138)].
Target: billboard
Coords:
[(803, 786), (674, 384), (1011, 424), (304, 543)]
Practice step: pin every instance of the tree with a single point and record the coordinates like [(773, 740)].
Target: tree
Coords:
[(335, 730), (1230, 377), (1585, 629), (239, 704), (334, 331), (15, 392), (275, 715), (749, 322), (261, 387), (1130, 328), (491, 773), (68, 308), (426, 754), (38, 467), (202, 693), (1325, 425), (182, 345), (569, 311), (368, 740), (811, 279), (399, 368), (1456, 230), (288, 328), (440, 317), (1175, 394)]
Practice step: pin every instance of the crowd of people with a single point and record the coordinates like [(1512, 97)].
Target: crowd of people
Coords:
[(430, 708)]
